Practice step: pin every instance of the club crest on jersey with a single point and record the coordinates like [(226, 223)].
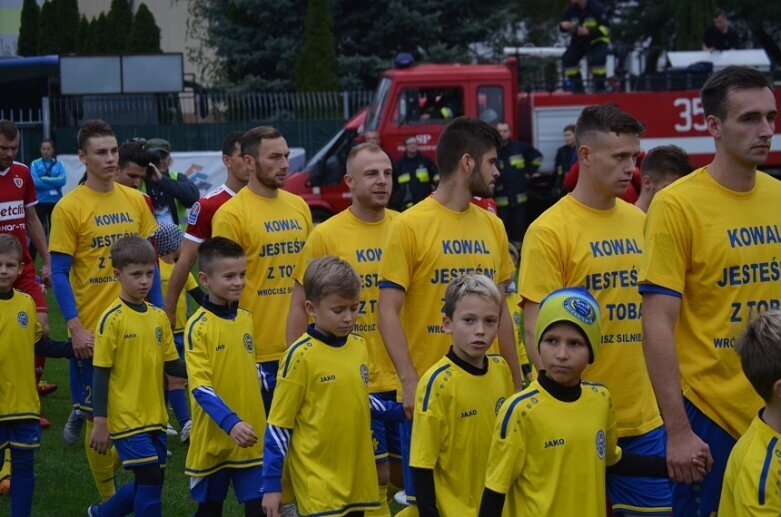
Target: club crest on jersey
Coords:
[(600, 443), (248, 342), (159, 335), (22, 319), (499, 403), (581, 309), (194, 211), (18, 182), (365, 374)]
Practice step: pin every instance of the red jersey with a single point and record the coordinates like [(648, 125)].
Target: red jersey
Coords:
[(17, 192), (199, 222)]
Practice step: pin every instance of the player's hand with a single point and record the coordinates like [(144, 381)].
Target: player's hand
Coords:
[(681, 448), (83, 342), (700, 463), (271, 503), (99, 440), (46, 275), (244, 435), (408, 389)]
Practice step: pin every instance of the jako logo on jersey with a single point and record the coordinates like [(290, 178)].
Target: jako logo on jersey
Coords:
[(18, 182), (194, 211), (248, 342), (327, 378), (468, 413), (556, 442), (22, 319), (11, 210), (581, 309), (159, 335), (499, 403), (365, 374), (600, 443)]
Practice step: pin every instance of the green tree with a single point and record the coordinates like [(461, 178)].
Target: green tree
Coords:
[(100, 37), (67, 19), (83, 37), (144, 37), (691, 19), (120, 21), (48, 40), (27, 44), (316, 63)]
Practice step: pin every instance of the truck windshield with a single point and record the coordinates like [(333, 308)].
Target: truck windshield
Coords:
[(378, 104), (324, 150)]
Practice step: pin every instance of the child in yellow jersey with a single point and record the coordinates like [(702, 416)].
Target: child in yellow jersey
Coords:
[(320, 419), (553, 441), (133, 347), (21, 339), (752, 480), (457, 401), (168, 241), (226, 443)]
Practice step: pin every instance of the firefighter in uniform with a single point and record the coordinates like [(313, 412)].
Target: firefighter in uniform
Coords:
[(414, 176), (585, 21), (516, 161)]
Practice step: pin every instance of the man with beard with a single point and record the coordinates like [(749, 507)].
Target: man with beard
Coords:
[(271, 225), (357, 235), (439, 239)]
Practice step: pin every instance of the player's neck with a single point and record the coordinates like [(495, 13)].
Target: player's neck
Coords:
[(132, 301), (262, 190), (771, 415), (233, 184), (589, 196), (730, 174), (644, 201), (98, 184), (7, 295), (367, 214), (453, 195)]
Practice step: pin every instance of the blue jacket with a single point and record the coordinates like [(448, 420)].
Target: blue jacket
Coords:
[(49, 177)]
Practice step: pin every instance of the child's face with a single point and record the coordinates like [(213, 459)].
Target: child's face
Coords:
[(47, 151), (10, 269), (227, 279), (136, 281), (473, 326), (335, 314), (564, 353)]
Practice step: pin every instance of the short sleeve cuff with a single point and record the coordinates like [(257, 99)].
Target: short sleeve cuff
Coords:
[(387, 284), (657, 289)]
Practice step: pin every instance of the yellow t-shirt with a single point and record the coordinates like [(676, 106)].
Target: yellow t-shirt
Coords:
[(85, 223), (323, 396), (272, 232), (19, 331), (220, 356), (428, 246), (720, 250), (572, 244), (516, 313), (359, 243), (455, 411), (752, 480), (135, 345), (181, 304), (550, 456)]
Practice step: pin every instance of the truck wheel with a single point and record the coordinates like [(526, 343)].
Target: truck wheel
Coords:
[(320, 214)]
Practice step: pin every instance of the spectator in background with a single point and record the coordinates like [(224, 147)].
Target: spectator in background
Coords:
[(172, 192), (516, 161), (49, 177), (566, 155), (414, 176), (372, 137), (719, 35), (585, 20), (661, 166)]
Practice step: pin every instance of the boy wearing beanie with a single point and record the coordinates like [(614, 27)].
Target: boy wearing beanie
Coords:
[(553, 441)]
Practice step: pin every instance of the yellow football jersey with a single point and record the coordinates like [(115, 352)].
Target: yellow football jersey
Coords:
[(455, 411), (19, 331), (181, 304), (571, 245), (272, 232), (428, 246), (720, 250), (752, 481), (220, 356), (360, 244), (135, 345), (323, 396), (85, 223), (550, 456)]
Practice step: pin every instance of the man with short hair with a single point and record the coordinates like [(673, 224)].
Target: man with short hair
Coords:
[(710, 264), (172, 192), (271, 225), (661, 166), (720, 35), (199, 222), (414, 176)]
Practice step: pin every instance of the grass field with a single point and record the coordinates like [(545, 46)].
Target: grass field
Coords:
[(64, 486)]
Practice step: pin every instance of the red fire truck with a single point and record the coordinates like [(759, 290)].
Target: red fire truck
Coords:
[(421, 99)]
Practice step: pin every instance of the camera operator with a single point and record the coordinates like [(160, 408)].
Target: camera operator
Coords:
[(172, 193)]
